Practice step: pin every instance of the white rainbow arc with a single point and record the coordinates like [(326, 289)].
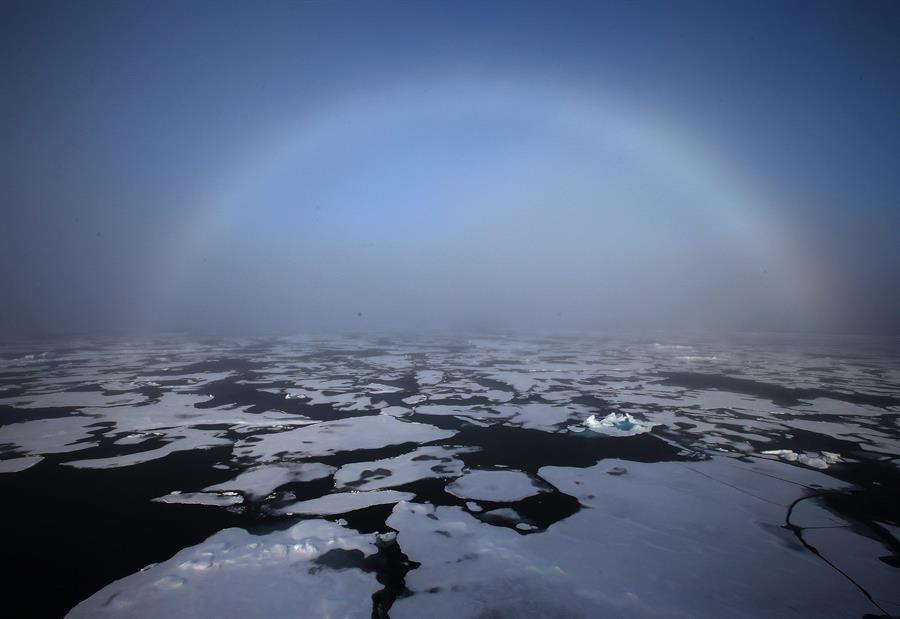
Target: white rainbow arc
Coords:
[(727, 197)]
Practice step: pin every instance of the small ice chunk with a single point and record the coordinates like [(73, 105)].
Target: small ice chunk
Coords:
[(831, 457), (474, 422), (473, 506), (618, 424), (508, 516), (821, 460), (787, 455), (135, 439), (504, 515), (379, 389)]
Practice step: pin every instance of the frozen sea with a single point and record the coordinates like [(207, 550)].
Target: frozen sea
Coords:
[(451, 476)]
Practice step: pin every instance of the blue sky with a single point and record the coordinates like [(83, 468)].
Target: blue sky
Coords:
[(286, 166)]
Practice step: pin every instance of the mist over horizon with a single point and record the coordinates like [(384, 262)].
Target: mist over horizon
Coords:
[(368, 167)]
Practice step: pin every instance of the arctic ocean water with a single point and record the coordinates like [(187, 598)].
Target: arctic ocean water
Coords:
[(451, 476)]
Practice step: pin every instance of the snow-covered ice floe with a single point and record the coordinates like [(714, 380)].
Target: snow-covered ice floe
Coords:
[(421, 463), (821, 460), (218, 499), (237, 574), (717, 549), (617, 424), (343, 502), (500, 486), (14, 465), (258, 482), (330, 437)]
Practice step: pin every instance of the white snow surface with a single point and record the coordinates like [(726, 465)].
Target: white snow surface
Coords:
[(330, 437), (501, 486), (14, 465), (343, 502), (617, 424), (422, 463), (236, 574), (258, 482), (716, 549), (218, 499), (48, 436), (186, 439)]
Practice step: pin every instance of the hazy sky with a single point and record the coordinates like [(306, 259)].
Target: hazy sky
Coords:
[(350, 165)]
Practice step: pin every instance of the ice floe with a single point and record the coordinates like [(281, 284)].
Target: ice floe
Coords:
[(617, 424), (500, 486), (422, 463), (218, 499), (237, 574), (507, 516), (625, 556), (14, 465), (343, 502), (186, 440), (73, 399), (820, 460), (258, 482), (537, 415), (329, 437), (50, 436)]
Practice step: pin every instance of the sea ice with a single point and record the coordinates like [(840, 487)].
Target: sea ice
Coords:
[(506, 515), (258, 482), (395, 411), (422, 463), (329, 437), (471, 569), (708, 530), (137, 438), (73, 399), (219, 499), (500, 486), (820, 460), (14, 465), (380, 389), (237, 574), (617, 424), (537, 415), (343, 502), (429, 377), (186, 439), (49, 436)]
